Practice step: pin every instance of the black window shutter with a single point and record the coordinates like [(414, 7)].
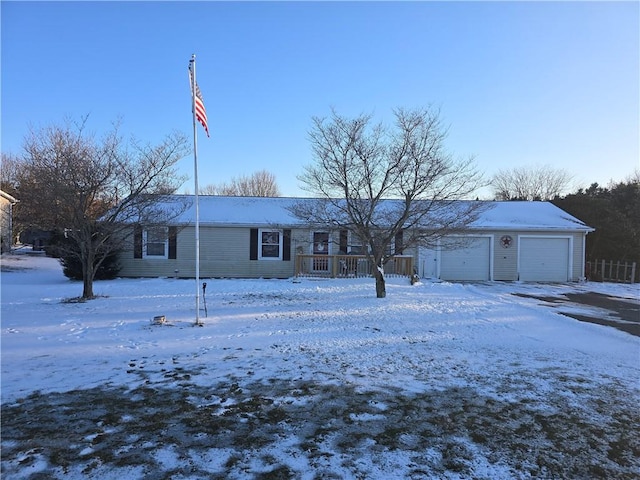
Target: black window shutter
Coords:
[(253, 244), (173, 242), (286, 245), (399, 247), (137, 241), (343, 241)]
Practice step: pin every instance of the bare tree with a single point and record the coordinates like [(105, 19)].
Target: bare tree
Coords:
[(375, 182), (258, 184), (93, 189), (10, 167), (530, 183)]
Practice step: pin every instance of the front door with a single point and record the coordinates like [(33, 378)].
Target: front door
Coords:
[(320, 247), (428, 266)]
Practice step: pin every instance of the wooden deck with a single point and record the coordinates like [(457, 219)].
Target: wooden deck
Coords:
[(345, 266)]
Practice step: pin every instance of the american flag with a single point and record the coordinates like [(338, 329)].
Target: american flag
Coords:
[(201, 113)]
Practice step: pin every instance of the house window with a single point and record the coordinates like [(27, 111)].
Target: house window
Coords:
[(356, 247), (156, 242), (270, 244)]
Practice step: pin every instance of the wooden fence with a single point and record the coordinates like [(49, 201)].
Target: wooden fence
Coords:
[(610, 271), (344, 266)]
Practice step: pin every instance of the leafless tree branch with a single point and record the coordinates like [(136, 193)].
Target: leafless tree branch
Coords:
[(93, 189), (376, 181)]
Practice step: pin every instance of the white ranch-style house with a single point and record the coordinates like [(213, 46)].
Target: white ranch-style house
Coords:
[(254, 237)]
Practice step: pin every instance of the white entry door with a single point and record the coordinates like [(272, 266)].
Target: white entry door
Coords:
[(428, 265), (321, 251)]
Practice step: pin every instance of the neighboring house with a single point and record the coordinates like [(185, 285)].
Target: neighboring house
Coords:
[(6, 221), (253, 237)]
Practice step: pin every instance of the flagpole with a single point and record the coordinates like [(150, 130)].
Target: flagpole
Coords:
[(195, 176)]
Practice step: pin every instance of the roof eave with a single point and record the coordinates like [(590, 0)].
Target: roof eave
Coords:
[(11, 199), (541, 228)]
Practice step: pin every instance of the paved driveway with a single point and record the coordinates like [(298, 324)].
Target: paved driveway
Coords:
[(617, 312)]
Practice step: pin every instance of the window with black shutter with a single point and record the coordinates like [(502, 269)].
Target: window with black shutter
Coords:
[(269, 244), (173, 243), (253, 244), (286, 245)]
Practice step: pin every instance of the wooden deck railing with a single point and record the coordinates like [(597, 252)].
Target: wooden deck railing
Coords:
[(343, 266)]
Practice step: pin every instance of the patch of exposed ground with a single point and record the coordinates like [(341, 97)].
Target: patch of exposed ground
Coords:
[(620, 313), (284, 430)]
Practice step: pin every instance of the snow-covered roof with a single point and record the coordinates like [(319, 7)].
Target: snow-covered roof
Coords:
[(221, 210), (523, 215), (246, 211)]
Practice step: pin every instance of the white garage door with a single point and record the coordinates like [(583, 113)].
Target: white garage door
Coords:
[(544, 259), (470, 261)]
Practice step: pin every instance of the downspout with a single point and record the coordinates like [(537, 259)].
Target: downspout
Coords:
[(583, 278)]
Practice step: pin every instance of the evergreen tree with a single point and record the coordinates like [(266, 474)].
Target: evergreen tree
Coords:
[(614, 212)]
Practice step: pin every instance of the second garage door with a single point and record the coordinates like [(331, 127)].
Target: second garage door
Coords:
[(544, 259), (469, 262)]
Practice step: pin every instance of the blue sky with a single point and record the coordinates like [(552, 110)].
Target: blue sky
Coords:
[(518, 83)]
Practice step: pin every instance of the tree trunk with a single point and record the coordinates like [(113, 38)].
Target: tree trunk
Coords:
[(87, 289), (381, 290), (88, 273)]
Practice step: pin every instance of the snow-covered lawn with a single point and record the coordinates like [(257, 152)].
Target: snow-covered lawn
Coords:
[(310, 379)]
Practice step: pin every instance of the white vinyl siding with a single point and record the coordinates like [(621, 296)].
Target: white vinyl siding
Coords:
[(544, 259), (505, 258), (224, 252)]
